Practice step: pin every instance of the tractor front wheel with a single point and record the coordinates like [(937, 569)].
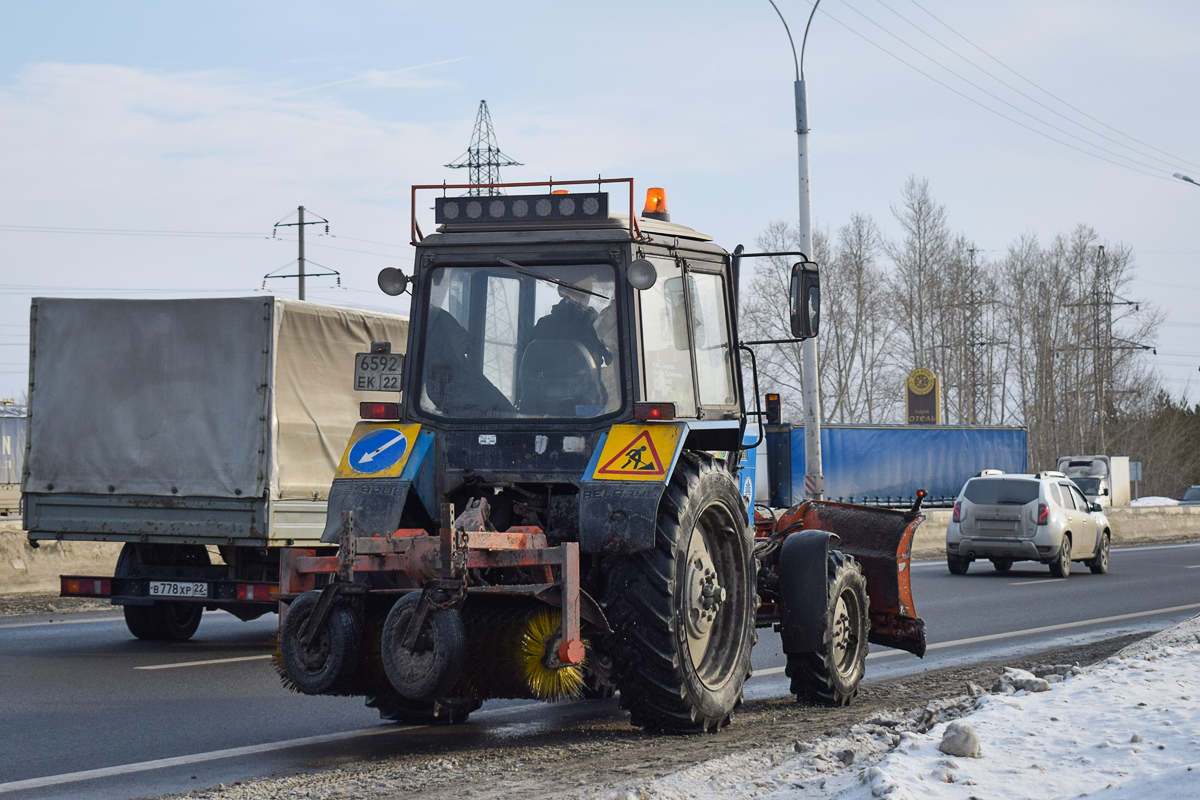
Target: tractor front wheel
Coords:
[(683, 612), (831, 674)]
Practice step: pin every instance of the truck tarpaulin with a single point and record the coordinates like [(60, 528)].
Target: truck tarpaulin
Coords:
[(221, 397)]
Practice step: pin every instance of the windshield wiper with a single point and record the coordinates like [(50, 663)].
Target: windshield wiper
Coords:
[(532, 274)]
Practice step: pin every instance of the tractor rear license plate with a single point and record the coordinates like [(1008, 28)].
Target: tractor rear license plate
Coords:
[(378, 372), (178, 589)]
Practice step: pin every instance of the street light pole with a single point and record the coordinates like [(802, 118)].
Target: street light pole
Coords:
[(814, 478)]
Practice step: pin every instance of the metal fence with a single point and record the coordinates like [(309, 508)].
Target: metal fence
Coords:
[(12, 444)]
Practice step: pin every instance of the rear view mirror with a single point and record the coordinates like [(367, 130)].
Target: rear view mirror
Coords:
[(805, 300), (1097, 507)]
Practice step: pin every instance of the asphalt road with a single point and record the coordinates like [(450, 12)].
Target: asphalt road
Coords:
[(87, 711)]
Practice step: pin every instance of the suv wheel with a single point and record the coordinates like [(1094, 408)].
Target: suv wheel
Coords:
[(1099, 564), (1061, 566), (958, 566), (1002, 564)]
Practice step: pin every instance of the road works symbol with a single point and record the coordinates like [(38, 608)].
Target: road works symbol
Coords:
[(639, 457), (378, 450)]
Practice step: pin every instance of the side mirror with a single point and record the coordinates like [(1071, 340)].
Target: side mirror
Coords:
[(805, 300), (1097, 507)]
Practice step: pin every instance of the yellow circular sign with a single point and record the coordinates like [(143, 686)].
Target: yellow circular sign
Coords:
[(921, 381)]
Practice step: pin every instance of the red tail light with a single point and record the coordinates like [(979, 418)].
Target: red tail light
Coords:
[(86, 587), (957, 515), (379, 410), (255, 591), (1043, 514), (654, 412)]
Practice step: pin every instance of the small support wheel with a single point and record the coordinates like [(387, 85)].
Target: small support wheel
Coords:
[(330, 661), (831, 675), (1060, 567), (439, 650), (1098, 564), (958, 566)]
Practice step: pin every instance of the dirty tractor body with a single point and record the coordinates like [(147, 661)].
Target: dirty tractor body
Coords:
[(558, 503)]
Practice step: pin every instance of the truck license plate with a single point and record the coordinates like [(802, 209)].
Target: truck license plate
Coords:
[(378, 372), (178, 589)]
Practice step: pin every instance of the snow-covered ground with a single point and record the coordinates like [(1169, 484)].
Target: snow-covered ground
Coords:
[(1125, 729), (1154, 500)]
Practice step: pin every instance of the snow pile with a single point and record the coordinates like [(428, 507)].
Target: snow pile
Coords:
[(1124, 729), (1154, 500)]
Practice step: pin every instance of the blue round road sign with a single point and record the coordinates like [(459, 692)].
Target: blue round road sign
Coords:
[(378, 450)]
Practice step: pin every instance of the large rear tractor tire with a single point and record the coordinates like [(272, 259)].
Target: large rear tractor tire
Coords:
[(831, 675), (164, 621), (332, 659), (447, 711), (683, 612)]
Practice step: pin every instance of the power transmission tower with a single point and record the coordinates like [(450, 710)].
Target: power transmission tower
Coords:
[(483, 158), (301, 261)]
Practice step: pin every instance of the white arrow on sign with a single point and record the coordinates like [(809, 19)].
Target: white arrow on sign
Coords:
[(371, 455)]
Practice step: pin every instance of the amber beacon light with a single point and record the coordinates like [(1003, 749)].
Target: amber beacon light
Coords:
[(656, 204)]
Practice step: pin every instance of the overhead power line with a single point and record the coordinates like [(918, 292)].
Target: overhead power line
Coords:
[(132, 232), (1050, 94), (984, 105)]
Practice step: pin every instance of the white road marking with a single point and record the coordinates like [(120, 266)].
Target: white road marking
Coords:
[(4, 625), (232, 752), (1040, 580), (1193, 566), (1012, 634), (178, 664)]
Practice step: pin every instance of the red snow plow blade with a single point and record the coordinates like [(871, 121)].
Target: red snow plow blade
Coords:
[(880, 540)]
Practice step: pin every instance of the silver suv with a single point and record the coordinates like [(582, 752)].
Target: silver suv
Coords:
[(1042, 517)]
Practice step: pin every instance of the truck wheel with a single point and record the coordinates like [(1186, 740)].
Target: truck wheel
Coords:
[(831, 675), (164, 621), (447, 711), (331, 660), (1060, 567), (1099, 563), (683, 611), (958, 566), (435, 663)]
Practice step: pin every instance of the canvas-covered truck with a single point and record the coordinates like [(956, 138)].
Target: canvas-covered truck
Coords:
[(555, 504), (202, 433)]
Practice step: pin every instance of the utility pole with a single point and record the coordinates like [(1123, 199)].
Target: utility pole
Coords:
[(483, 158), (301, 272), (810, 377)]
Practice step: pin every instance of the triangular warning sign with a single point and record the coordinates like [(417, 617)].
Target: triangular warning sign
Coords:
[(639, 457)]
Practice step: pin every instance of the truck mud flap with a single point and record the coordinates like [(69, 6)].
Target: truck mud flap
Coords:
[(880, 540)]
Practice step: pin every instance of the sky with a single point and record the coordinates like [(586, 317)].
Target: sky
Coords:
[(122, 118)]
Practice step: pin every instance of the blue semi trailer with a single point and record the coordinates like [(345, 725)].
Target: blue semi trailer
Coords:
[(887, 464)]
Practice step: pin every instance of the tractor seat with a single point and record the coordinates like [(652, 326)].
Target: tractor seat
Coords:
[(556, 378)]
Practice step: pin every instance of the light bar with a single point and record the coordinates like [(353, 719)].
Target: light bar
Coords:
[(521, 208)]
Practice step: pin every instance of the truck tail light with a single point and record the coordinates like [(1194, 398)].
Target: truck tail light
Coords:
[(256, 592), (956, 516), (1043, 514), (86, 587), (654, 412), (389, 411)]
